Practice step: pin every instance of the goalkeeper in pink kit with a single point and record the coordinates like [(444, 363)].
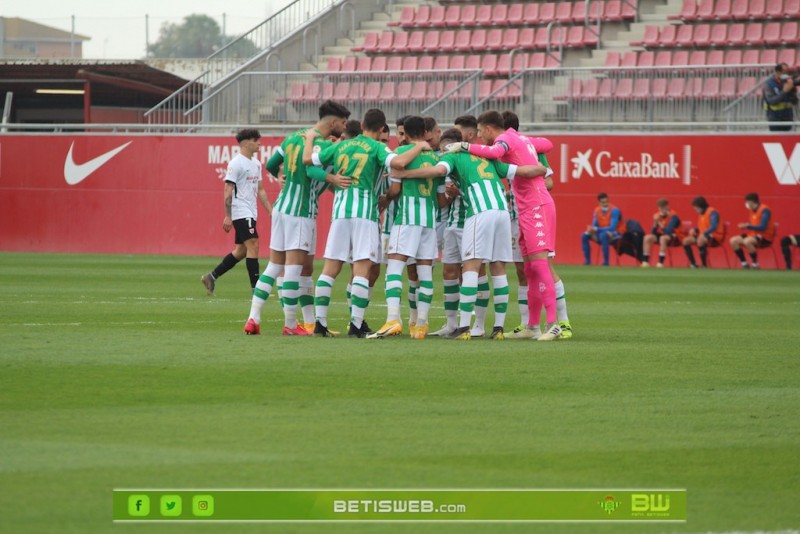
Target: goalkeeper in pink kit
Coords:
[(537, 213)]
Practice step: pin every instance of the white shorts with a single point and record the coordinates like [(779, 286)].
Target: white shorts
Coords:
[(440, 229), (487, 236), (292, 233), (452, 245), (352, 238), (516, 253), (418, 242)]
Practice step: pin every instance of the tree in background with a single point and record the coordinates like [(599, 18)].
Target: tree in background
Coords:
[(198, 36)]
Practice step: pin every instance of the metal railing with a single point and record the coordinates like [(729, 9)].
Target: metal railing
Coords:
[(227, 60), (638, 96)]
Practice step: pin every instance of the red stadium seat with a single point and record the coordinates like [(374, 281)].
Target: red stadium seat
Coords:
[(791, 9), (404, 91), (659, 88), (422, 18), (552, 60), (650, 37), (710, 89), (647, 58), (341, 91), (629, 59), (437, 16), (573, 90), (477, 42), (736, 34), (296, 93), (715, 57), (384, 43), (395, 64), (503, 64), (612, 59), (676, 89), (516, 14), (774, 9), (410, 63), (680, 58), (788, 56), (416, 41), (624, 89), (547, 13), (697, 58), (605, 91), (590, 36), (613, 11), (735, 57), (349, 64), (789, 33), (463, 40), (508, 90), (727, 89), (327, 91), (531, 13), (590, 89), (740, 10), (489, 64), (768, 57), (441, 63), (458, 62), (705, 10), (754, 35), (576, 37), (746, 84), (641, 89), (629, 8), (334, 64), (499, 15), (425, 63), (313, 92), (473, 62), (494, 39), (719, 35), (484, 88), (469, 13), (400, 43), (484, 16), (702, 35), (372, 91), (363, 64), (664, 58), (447, 41), (406, 18), (369, 45), (452, 17), (520, 62), (432, 40), (668, 36), (515, 38), (537, 60), (564, 12), (772, 33), (757, 9), (684, 36), (379, 63), (596, 10), (688, 11)]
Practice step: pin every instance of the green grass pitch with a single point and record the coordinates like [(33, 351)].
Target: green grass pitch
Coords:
[(118, 372)]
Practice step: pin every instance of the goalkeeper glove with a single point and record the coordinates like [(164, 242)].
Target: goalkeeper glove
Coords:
[(457, 147)]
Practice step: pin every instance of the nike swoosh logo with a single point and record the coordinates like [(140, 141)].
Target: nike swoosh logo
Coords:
[(75, 174)]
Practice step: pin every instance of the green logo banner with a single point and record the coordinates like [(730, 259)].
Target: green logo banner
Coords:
[(287, 505)]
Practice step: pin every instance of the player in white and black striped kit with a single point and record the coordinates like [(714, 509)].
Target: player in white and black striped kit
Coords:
[(243, 187)]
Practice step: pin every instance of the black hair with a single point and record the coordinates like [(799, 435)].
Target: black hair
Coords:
[(386, 129), (247, 133), (453, 135), (467, 121), (335, 109), (601, 196), (430, 123), (752, 197), (374, 119), (510, 120), (491, 118), (700, 202), (402, 120), (352, 128), (415, 127)]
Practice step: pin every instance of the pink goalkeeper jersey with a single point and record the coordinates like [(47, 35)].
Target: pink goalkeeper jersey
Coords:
[(512, 147)]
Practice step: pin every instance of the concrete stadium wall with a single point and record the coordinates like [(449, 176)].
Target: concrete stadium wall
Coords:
[(162, 194)]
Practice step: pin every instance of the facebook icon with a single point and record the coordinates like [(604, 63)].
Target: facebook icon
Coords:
[(138, 505)]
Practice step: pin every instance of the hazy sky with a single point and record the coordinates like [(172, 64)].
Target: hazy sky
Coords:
[(117, 28)]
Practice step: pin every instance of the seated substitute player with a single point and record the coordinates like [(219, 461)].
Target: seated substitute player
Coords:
[(243, 185), (294, 220), (354, 229), (487, 229), (667, 231), (791, 240), (606, 228), (709, 232), (760, 231), (413, 234)]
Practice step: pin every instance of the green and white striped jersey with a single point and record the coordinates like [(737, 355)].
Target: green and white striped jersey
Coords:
[(362, 159), (479, 181), (417, 204), (458, 213), (304, 185)]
